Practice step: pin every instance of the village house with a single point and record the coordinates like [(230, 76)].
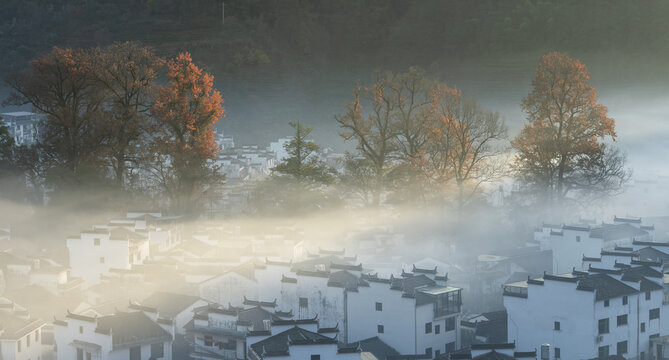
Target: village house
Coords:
[(20, 334), (136, 335), (588, 314)]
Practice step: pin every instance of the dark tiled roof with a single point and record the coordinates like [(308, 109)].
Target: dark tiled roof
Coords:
[(627, 220), (14, 327), (286, 279), (249, 302), (650, 243), (604, 286), (170, 304), (416, 270), (377, 347), (256, 317), (283, 322), (343, 279), (132, 328), (331, 252), (408, 285), (279, 344), (346, 267), (617, 232)]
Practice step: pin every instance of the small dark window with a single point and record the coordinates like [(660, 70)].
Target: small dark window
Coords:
[(81, 329), (606, 303), (315, 357), (450, 347), (450, 324), (102, 260), (304, 302), (379, 306), (622, 320), (654, 314), (603, 351), (578, 238), (556, 325), (80, 354), (647, 295), (428, 328), (604, 326), (37, 335), (624, 300), (642, 355), (135, 353), (208, 340), (428, 352), (157, 350), (96, 242), (18, 344), (557, 352), (379, 329), (622, 347), (437, 329), (643, 327), (27, 341)]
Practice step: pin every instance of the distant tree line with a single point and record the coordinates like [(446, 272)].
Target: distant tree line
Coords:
[(111, 128), (422, 142)]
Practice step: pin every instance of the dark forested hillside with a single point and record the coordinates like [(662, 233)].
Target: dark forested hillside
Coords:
[(298, 33)]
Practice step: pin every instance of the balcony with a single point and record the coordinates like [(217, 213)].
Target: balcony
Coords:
[(515, 291)]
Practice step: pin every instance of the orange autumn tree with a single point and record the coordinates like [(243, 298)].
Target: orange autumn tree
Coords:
[(461, 144), (562, 150), (185, 112)]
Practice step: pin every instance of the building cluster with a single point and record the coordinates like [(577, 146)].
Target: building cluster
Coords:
[(23, 127), (606, 297), (149, 286)]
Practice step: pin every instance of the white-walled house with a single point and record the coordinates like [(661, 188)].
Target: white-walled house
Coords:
[(569, 243), (414, 315), (124, 336), (587, 314), (94, 252), (20, 334)]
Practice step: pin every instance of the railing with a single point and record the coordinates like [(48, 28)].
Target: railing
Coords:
[(225, 353)]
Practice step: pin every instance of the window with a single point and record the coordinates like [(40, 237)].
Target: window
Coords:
[(647, 295), (28, 341), (437, 329), (81, 329), (37, 335), (603, 351), (643, 327), (624, 300), (622, 347), (578, 238), (208, 340), (556, 325), (450, 324), (315, 357), (437, 353), (379, 306), (428, 352), (557, 352), (157, 350), (304, 302), (135, 353), (96, 242), (447, 303), (622, 320), (642, 355), (450, 347), (428, 328), (18, 344), (102, 260), (379, 329), (654, 314), (80, 354), (604, 326), (606, 303)]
